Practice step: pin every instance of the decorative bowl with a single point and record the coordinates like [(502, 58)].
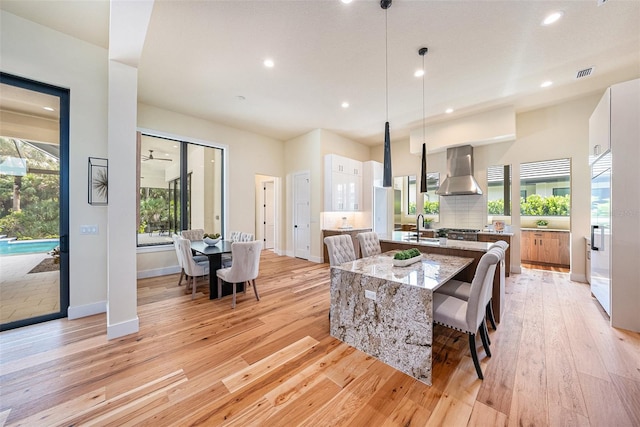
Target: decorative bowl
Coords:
[(405, 262), (211, 242)]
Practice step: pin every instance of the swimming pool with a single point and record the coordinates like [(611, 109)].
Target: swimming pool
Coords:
[(21, 247)]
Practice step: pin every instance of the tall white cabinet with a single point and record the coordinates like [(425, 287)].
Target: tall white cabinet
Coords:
[(343, 184), (615, 126)]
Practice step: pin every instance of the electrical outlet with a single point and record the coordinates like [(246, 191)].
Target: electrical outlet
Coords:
[(370, 295)]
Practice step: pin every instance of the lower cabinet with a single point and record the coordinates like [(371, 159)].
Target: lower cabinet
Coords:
[(545, 247)]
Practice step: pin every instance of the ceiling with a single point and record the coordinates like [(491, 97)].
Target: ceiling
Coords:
[(205, 58)]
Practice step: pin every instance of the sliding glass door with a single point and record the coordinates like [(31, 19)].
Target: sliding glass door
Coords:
[(34, 202)]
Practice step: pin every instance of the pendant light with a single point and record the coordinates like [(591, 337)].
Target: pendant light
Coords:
[(386, 167), (423, 173)]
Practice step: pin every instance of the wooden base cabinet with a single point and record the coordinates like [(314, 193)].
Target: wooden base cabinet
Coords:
[(545, 247)]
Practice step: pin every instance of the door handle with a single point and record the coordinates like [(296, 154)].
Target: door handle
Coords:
[(64, 244), (593, 240)]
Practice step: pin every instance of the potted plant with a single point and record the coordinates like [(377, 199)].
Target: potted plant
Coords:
[(542, 223), (442, 235), (427, 223)]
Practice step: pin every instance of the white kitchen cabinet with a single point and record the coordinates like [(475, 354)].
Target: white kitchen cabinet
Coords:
[(600, 128), (343, 184)]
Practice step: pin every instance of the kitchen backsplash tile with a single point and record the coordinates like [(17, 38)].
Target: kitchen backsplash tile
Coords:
[(463, 211)]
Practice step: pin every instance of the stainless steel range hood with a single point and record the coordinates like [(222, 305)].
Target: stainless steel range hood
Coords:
[(459, 180)]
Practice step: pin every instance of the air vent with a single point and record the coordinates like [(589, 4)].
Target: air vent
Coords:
[(584, 73)]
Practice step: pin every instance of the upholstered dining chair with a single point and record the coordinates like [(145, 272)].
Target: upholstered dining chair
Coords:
[(246, 237), (369, 243), (340, 249), (234, 236), (244, 269), (459, 289), (468, 316), (192, 269), (194, 234), (176, 246)]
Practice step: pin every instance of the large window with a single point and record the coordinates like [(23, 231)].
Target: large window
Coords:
[(545, 188), (181, 188)]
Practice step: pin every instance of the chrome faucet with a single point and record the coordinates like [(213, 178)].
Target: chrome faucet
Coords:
[(418, 226)]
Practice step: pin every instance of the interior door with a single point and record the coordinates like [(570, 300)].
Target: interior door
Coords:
[(301, 215), (269, 215), (34, 254)]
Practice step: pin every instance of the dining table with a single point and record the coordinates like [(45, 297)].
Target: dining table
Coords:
[(214, 255), (386, 311)]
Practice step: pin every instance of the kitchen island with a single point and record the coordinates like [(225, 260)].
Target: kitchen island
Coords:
[(403, 240), (387, 311)]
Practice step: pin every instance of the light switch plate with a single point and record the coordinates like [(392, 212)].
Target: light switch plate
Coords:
[(370, 295)]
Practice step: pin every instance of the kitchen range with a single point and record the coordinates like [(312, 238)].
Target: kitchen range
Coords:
[(470, 235)]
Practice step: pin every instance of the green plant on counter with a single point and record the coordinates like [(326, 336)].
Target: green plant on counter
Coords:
[(542, 222), (407, 254), (442, 232)]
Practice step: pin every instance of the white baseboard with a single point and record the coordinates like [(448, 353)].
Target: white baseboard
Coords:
[(516, 269), (290, 254), (574, 277), (158, 272), (317, 259), (86, 310), (123, 328)]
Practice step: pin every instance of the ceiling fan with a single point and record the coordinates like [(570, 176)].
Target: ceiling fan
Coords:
[(150, 157)]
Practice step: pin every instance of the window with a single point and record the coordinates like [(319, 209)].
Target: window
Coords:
[(431, 201), (499, 191), (166, 205), (411, 195), (547, 185)]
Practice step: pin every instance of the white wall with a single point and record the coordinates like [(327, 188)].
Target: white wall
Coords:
[(39, 53)]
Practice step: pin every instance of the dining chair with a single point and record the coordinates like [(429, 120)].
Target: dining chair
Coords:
[(246, 237), (176, 246), (192, 268), (462, 290), (340, 249), (193, 234), (244, 269), (468, 316), (234, 236), (369, 243)]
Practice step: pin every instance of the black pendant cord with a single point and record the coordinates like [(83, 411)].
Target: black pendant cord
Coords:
[(386, 167), (423, 173)]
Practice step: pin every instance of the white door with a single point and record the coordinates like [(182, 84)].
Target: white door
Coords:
[(380, 210), (269, 215), (301, 215)]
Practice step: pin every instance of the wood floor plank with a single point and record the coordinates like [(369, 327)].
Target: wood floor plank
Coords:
[(604, 405), (556, 361), (253, 372)]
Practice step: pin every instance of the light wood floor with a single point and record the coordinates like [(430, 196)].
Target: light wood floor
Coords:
[(555, 362)]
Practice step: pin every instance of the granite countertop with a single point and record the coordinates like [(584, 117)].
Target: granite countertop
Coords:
[(545, 229), (402, 236), (429, 273)]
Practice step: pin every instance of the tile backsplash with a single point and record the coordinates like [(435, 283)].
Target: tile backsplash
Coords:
[(463, 211)]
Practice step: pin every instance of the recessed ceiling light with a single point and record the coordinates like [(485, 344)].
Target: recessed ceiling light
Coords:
[(552, 17), (268, 63), (449, 110), (419, 73), (240, 98), (346, 1), (345, 104), (546, 84), (48, 108)]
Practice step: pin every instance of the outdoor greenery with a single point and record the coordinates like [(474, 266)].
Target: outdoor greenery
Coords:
[(536, 205), (155, 209), (29, 204), (431, 208)]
